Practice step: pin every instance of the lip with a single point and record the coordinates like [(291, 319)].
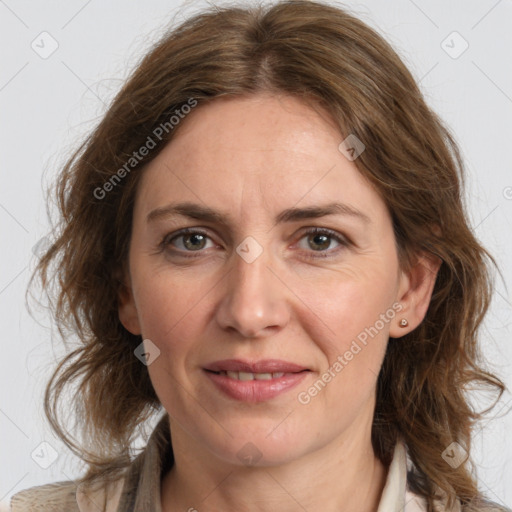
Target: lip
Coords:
[(254, 391)]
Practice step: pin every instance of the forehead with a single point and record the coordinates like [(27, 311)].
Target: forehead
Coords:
[(253, 153)]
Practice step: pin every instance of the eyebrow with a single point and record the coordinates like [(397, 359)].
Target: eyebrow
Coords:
[(204, 213)]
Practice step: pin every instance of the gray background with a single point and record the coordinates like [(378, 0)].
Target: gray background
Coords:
[(48, 102)]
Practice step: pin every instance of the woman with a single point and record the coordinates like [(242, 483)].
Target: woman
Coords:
[(264, 243)]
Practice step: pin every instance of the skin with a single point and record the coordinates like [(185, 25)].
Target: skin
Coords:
[(250, 158)]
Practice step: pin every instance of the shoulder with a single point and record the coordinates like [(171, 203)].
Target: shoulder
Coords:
[(68, 497), (55, 497), (135, 483), (414, 502)]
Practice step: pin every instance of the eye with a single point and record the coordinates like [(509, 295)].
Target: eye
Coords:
[(320, 239), (187, 240)]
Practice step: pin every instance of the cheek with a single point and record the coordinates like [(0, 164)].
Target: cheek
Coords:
[(162, 312), (174, 309), (348, 304), (164, 299), (170, 313), (349, 320)]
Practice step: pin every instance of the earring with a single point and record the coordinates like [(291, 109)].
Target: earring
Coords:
[(403, 323)]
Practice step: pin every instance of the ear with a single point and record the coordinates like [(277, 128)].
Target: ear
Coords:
[(414, 294), (127, 309)]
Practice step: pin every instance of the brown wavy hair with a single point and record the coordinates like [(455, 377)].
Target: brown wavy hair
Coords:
[(328, 58)]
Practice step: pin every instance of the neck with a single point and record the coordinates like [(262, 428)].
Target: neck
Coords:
[(321, 480)]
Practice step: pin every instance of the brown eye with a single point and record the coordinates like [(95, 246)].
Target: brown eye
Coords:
[(193, 242), (320, 241), (187, 241)]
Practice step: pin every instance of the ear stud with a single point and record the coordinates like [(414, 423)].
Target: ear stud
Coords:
[(403, 323)]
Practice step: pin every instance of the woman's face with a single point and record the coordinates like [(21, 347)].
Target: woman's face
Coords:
[(252, 285)]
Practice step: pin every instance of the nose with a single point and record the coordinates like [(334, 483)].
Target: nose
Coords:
[(254, 301)]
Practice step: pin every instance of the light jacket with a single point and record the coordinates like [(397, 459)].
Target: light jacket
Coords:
[(139, 489)]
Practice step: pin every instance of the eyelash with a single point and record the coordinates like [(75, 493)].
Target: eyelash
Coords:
[(344, 242)]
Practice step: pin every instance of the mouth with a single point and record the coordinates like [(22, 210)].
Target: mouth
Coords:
[(261, 367), (250, 375), (255, 381)]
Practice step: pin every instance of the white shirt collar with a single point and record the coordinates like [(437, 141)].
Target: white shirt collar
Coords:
[(395, 495)]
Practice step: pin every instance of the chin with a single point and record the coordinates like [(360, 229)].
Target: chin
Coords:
[(258, 454), (263, 446)]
